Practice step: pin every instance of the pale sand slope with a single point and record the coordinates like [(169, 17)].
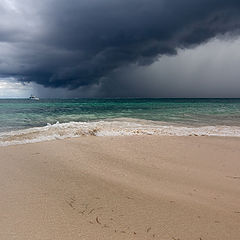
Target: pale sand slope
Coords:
[(101, 188)]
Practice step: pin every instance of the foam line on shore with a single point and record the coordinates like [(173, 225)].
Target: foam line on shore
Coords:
[(117, 127)]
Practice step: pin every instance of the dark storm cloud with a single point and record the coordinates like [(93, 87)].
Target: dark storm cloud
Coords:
[(74, 43)]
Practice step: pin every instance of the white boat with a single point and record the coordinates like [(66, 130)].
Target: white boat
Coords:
[(34, 98)]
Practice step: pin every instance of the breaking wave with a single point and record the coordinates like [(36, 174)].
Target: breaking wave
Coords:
[(117, 127)]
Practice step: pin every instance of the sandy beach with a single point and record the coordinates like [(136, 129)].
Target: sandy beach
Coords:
[(138, 187)]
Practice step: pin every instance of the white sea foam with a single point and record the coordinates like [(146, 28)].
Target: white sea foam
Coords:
[(118, 127)]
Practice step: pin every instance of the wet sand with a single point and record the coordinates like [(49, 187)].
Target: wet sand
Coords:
[(139, 187)]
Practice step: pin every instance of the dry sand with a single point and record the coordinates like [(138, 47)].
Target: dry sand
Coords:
[(101, 188)]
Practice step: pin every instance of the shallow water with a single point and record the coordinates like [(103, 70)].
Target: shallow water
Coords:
[(23, 120), (24, 113)]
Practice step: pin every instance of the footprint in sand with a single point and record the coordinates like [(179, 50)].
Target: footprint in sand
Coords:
[(130, 198), (91, 211), (149, 229), (97, 220), (71, 202), (35, 154)]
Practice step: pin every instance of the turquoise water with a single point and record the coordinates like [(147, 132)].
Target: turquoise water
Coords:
[(16, 114)]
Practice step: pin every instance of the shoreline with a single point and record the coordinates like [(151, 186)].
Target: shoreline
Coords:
[(115, 127), (129, 187)]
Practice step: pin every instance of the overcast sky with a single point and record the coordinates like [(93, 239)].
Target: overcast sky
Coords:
[(120, 48)]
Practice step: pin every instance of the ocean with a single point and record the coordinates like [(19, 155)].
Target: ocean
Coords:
[(26, 121)]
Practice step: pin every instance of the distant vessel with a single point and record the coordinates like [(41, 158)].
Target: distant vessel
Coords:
[(33, 98)]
